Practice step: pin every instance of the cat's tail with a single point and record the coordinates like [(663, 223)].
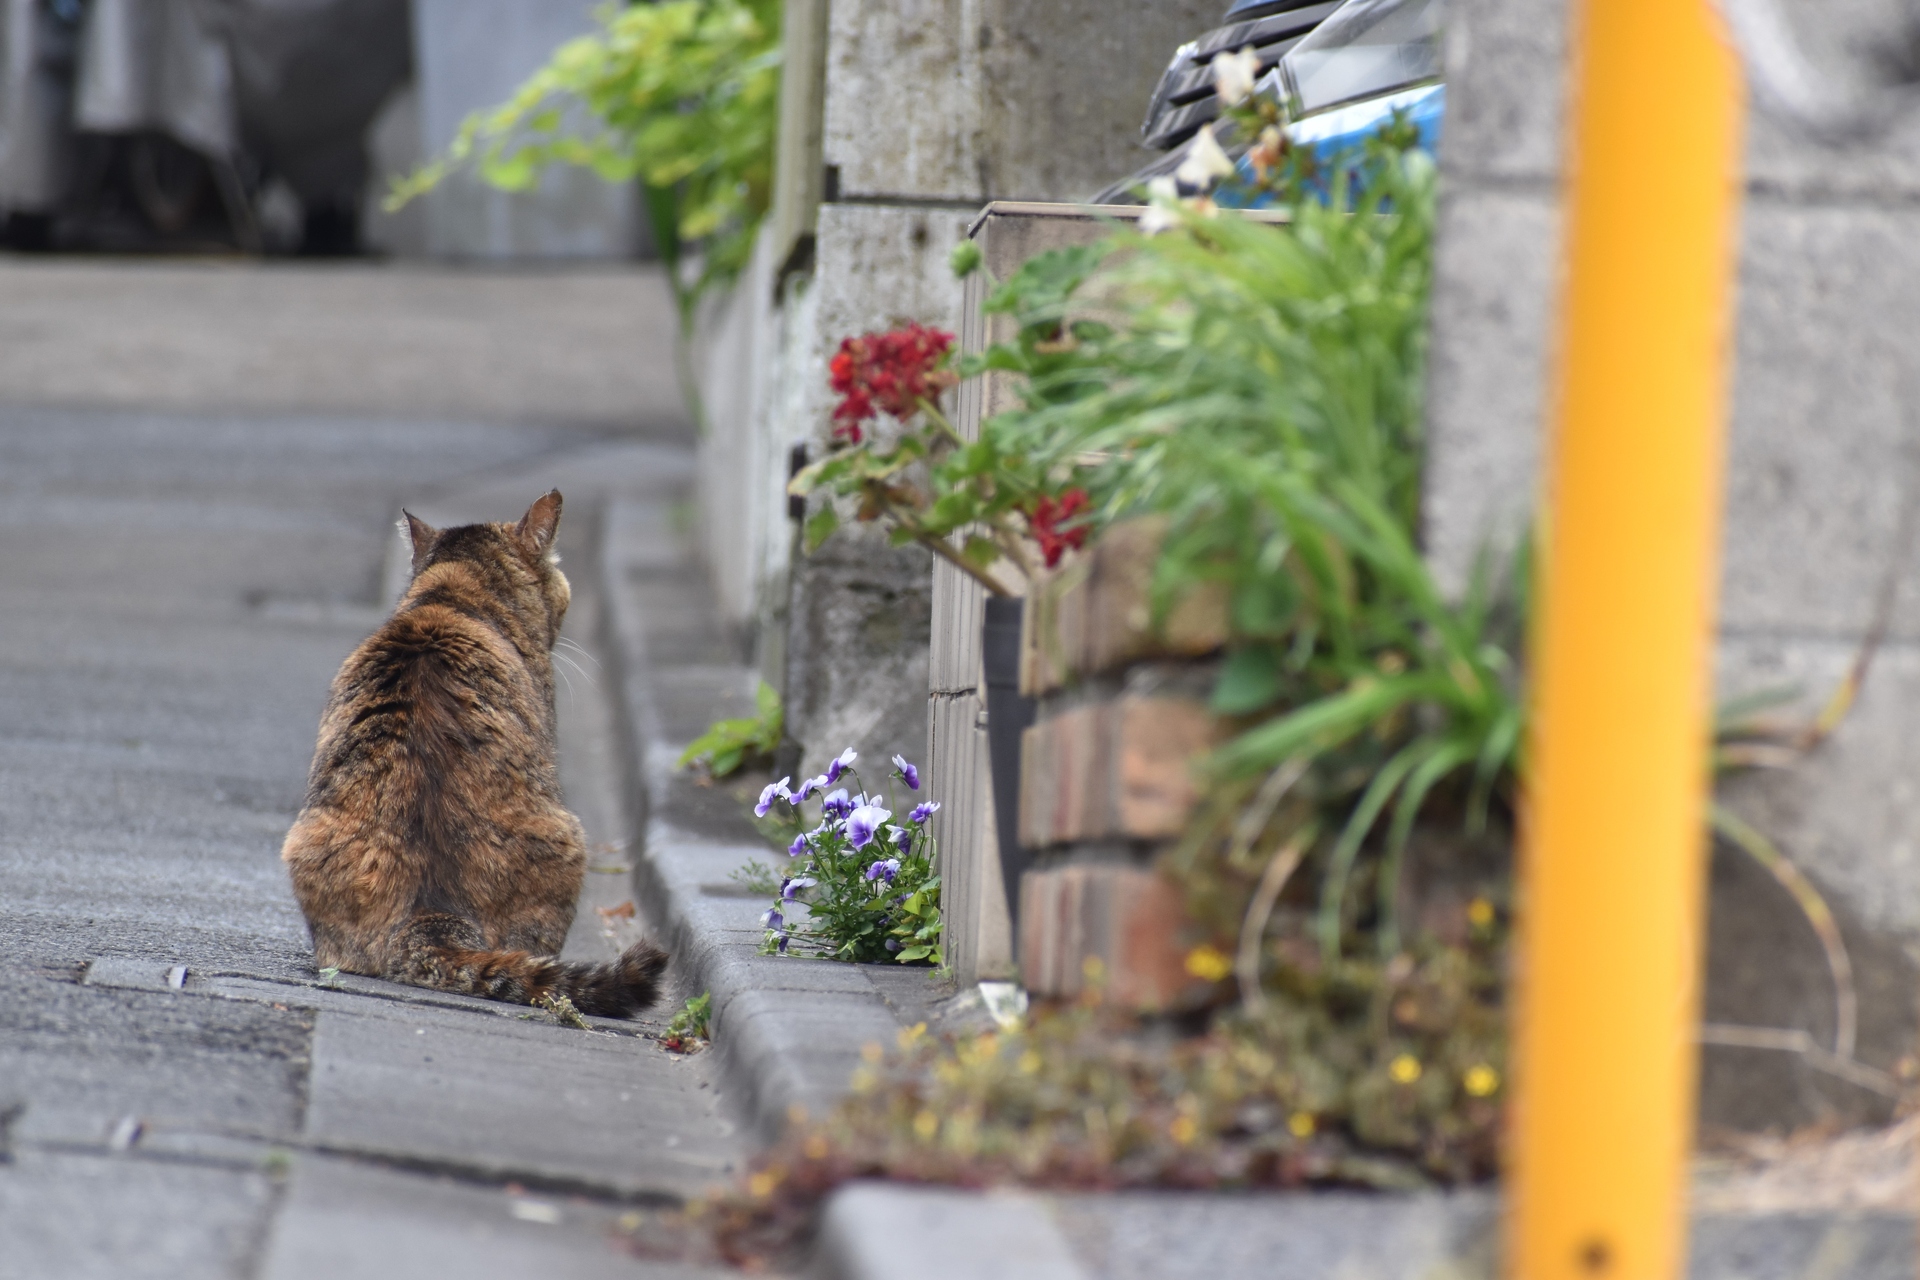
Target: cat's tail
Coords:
[(443, 952)]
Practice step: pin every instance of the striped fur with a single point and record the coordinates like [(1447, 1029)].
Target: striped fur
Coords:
[(433, 847)]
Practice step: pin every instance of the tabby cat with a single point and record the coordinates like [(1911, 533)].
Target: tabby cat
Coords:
[(433, 847)]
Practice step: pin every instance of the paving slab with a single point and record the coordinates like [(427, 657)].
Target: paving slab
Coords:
[(346, 1218), (516, 1100), (65, 1215)]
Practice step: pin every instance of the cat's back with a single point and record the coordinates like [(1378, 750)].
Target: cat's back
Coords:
[(435, 688)]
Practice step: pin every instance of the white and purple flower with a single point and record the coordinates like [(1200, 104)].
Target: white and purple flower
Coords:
[(863, 822), (838, 804), (773, 919), (886, 868), (791, 887), (798, 847), (810, 786), (922, 811), (908, 774), (902, 839), (840, 764), (773, 791)]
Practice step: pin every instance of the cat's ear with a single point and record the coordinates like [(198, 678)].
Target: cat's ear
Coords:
[(421, 535), (537, 527)]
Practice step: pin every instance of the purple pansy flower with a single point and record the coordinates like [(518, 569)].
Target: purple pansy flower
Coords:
[(773, 791), (841, 763), (902, 838), (837, 805), (798, 847), (886, 867), (893, 944), (784, 935), (794, 885), (810, 786), (922, 811), (863, 822), (773, 919), (908, 774)]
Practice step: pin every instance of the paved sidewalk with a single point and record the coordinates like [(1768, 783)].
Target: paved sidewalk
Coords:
[(589, 344), (182, 1098)]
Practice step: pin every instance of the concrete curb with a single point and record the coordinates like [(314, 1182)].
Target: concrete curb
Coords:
[(787, 1032), (882, 1230)]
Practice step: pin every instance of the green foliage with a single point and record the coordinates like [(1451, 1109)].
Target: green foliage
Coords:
[(1261, 387), (730, 745), (682, 95), (687, 1029)]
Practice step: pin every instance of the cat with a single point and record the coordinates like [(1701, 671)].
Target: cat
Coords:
[(433, 847)]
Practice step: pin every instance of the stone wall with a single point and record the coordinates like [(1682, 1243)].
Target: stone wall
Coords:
[(1819, 503)]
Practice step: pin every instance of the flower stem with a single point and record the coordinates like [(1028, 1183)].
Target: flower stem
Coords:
[(941, 548)]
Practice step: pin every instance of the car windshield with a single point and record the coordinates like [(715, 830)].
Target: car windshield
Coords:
[(1367, 48)]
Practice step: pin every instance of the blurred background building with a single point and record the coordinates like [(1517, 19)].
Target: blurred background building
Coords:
[(273, 125)]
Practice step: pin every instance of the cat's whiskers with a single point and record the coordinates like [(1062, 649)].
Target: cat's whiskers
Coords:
[(583, 672), (580, 649)]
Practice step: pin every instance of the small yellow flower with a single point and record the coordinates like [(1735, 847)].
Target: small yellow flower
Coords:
[(1183, 1130), (871, 1053), (1480, 913), (1210, 964), (1030, 1063), (1481, 1080), (1404, 1069), (1300, 1124), (816, 1146), (926, 1124)]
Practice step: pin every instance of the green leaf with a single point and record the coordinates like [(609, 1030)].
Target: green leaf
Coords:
[(1249, 680), (965, 259), (980, 552), (820, 526), (952, 510)]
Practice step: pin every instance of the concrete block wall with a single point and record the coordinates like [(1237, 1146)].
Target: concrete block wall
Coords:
[(928, 109), (1820, 498)]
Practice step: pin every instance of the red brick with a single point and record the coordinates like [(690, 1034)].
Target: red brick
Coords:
[(1122, 769), (1094, 613), (1128, 920)]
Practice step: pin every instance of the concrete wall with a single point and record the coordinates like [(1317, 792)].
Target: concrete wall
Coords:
[(977, 100), (927, 108), (1819, 503)]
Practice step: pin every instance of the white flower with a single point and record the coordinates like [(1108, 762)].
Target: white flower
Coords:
[(1205, 161), (1160, 216), (1234, 74)]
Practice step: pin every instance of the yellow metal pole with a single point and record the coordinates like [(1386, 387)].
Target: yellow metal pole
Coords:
[(1613, 851)]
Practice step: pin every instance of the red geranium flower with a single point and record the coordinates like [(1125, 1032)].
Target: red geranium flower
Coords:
[(891, 372), (1046, 517)]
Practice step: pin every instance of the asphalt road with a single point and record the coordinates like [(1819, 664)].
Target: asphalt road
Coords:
[(176, 591)]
